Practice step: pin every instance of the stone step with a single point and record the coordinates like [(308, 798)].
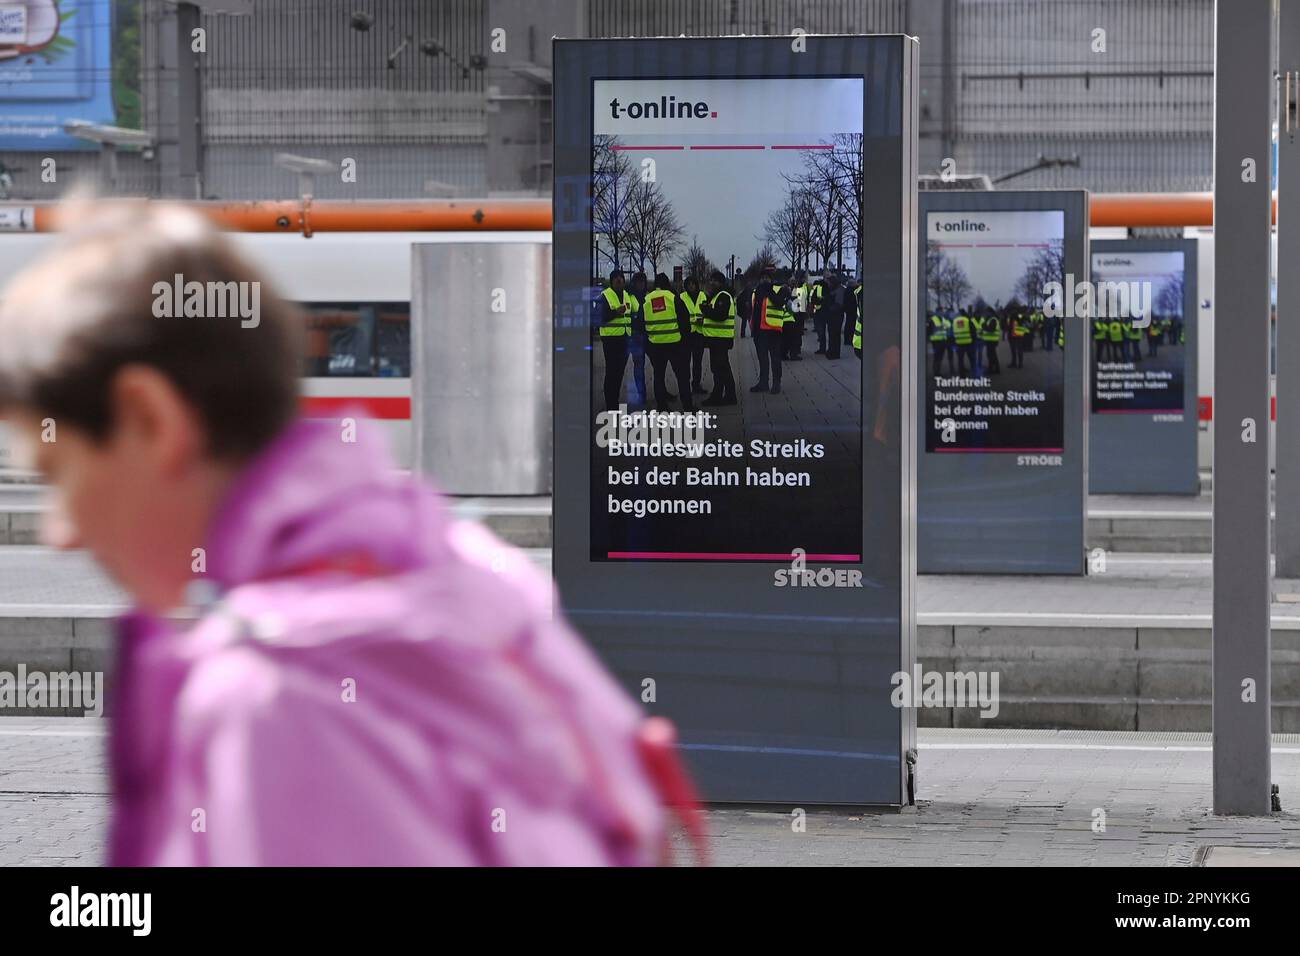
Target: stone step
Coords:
[(1125, 650), (1141, 676)]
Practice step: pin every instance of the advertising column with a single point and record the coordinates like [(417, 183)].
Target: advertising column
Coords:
[(733, 533), (1001, 474), (1143, 344)]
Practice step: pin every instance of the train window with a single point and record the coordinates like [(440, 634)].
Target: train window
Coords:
[(357, 339)]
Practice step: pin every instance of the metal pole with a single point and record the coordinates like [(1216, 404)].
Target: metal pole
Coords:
[(1243, 90), (109, 152), (189, 100), (1287, 525)]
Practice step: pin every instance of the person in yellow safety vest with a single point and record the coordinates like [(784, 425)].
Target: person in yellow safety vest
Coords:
[(1118, 344), (693, 300), (1155, 333), (857, 328), (718, 329), (771, 301), (666, 343), (638, 286), (816, 304), (1099, 344), (1134, 335), (990, 334), (1060, 332), (614, 307), (1035, 320), (977, 350), (940, 329), (839, 308), (963, 338), (1022, 330), (792, 334)]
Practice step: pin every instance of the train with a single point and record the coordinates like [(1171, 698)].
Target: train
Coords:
[(355, 292)]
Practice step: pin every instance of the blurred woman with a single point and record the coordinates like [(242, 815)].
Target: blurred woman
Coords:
[(322, 667)]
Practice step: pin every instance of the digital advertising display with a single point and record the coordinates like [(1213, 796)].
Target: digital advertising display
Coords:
[(1142, 340), (721, 168), (1002, 348), (1139, 340), (735, 413), (56, 64), (996, 376)]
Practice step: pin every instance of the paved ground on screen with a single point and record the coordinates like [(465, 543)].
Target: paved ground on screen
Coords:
[(986, 798)]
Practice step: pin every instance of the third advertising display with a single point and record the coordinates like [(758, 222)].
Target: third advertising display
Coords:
[(1139, 339), (1142, 361)]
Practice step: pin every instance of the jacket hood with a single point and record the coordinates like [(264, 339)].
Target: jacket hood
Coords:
[(315, 494)]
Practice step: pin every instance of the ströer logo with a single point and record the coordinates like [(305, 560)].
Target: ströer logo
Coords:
[(666, 107)]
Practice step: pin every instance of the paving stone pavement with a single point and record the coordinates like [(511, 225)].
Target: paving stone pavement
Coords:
[(54, 801), (1028, 798), (986, 798)]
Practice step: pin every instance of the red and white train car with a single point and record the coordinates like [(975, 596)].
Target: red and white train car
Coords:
[(355, 292)]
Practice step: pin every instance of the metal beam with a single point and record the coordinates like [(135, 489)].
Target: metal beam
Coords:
[(1243, 94)]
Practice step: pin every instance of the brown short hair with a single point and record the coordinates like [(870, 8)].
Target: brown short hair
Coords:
[(79, 314)]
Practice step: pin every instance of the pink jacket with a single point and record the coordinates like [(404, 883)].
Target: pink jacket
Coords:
[(376, 684)]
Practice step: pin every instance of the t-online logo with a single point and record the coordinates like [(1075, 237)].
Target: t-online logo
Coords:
[(666, 107)]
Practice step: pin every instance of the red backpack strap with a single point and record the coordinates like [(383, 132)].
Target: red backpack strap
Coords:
[(657, 744)]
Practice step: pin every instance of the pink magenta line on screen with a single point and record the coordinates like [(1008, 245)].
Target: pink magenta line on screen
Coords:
[(726, 147), (958, 451), (822, 146), (1139, 411), (730, 556), (642, 149)]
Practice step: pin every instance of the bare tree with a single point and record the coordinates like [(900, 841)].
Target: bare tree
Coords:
[(612, 185), (766, 256), (1046, 265), (830, 184), (1169, 300), (790, 227), (697, 264), (653, 228), (946, 284)]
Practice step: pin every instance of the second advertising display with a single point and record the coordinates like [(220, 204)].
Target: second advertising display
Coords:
[(1001, 470), (1143, 430)]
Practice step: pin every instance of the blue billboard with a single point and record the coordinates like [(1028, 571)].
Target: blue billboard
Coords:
[(55, 66)]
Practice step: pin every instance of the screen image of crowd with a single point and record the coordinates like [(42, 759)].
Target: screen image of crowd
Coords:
[(971, 340), (773, 355), (1138, 363)]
